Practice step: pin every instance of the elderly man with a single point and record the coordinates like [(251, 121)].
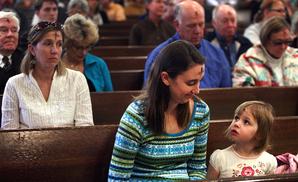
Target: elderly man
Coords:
[(224, 21), (10, 56), (190, 24)]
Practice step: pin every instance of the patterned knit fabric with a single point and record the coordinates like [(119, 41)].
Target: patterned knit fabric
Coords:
[(140, 155), (252, 69)]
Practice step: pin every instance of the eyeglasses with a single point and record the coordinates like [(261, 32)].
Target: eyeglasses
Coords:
[(43, 26), (281, 42)]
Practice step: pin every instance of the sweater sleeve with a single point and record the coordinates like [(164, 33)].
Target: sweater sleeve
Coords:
[(127, 142), (197, 164)]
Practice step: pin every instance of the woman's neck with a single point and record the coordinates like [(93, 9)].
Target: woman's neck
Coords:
[(43, 74)]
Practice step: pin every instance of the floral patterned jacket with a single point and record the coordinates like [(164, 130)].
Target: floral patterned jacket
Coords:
[(252, 70)]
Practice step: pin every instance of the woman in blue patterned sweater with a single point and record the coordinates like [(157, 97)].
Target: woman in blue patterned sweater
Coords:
[(162, 135)]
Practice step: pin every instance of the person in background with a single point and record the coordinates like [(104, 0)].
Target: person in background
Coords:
[(268, 9), (10, 55), (152, 30), (114, 11), (80, 35), (162, 135), (190, 25), (250, 134), (271, 63), (134, 8), (45, 10), (225, 33), (98, 16), (77, 6), (46, 94)]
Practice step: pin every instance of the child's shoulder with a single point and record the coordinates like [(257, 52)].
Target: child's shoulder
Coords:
[(267, 156), (220, 153)]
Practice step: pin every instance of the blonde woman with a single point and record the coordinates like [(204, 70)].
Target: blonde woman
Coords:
[(80, 35)]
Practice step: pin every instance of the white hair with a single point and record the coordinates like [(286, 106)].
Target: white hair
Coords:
[(10, 15)]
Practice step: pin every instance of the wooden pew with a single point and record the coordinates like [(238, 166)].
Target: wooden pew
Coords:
[(127, 79), (222, 102), (109, 51), (83, 153), (61, 154), (108, 107), (113, 41), (126, 63)]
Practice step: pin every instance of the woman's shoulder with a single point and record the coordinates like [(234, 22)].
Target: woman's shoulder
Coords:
[(17, 78), (200, 105), (92, 59)]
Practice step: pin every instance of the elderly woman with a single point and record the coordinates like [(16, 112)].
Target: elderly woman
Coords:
[(88, 9), (273, 62), (268, 9), (80, 35), (46, 94)]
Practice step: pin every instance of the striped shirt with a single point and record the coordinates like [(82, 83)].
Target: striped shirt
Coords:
[(141, 155)]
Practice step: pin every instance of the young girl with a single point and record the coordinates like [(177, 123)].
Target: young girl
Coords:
[(249, 131)]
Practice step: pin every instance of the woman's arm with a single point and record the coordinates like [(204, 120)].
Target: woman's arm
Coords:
[(83, 112), (126, 146), (197, 164)]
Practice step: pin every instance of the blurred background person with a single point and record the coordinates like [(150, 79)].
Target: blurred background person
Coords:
[(80, 35), (271, 63), (268, 9), (114, 11), (10, 55), (225, 33), (152, 30), (46, 94), (98, 16)]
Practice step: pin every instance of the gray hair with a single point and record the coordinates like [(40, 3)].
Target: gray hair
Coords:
[(10, 15), (220, 6), (82, 4)]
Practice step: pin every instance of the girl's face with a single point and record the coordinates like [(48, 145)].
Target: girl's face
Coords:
[(184, 86), (243, 128), (47, 51)]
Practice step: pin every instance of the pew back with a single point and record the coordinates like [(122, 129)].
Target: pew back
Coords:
[(126, 63), (105, 51), (84, 153), (127, 79), (222, 102)]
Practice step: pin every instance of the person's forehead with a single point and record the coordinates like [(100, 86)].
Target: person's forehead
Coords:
[(6, 21), (48, 4)]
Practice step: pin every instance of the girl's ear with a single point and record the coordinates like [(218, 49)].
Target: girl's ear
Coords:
[(31, 49), (165, 78)]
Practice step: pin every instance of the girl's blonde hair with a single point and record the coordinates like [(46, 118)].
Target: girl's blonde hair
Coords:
[(263, 113)]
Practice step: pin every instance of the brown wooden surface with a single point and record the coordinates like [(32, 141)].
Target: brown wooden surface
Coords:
[(113, 41), (127, 79), (83, 153), (125, 62), (108, 107), (222, 102), (64, 154), (109, 51)]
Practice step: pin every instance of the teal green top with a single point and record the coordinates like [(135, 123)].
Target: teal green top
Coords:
[(141, 155)]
